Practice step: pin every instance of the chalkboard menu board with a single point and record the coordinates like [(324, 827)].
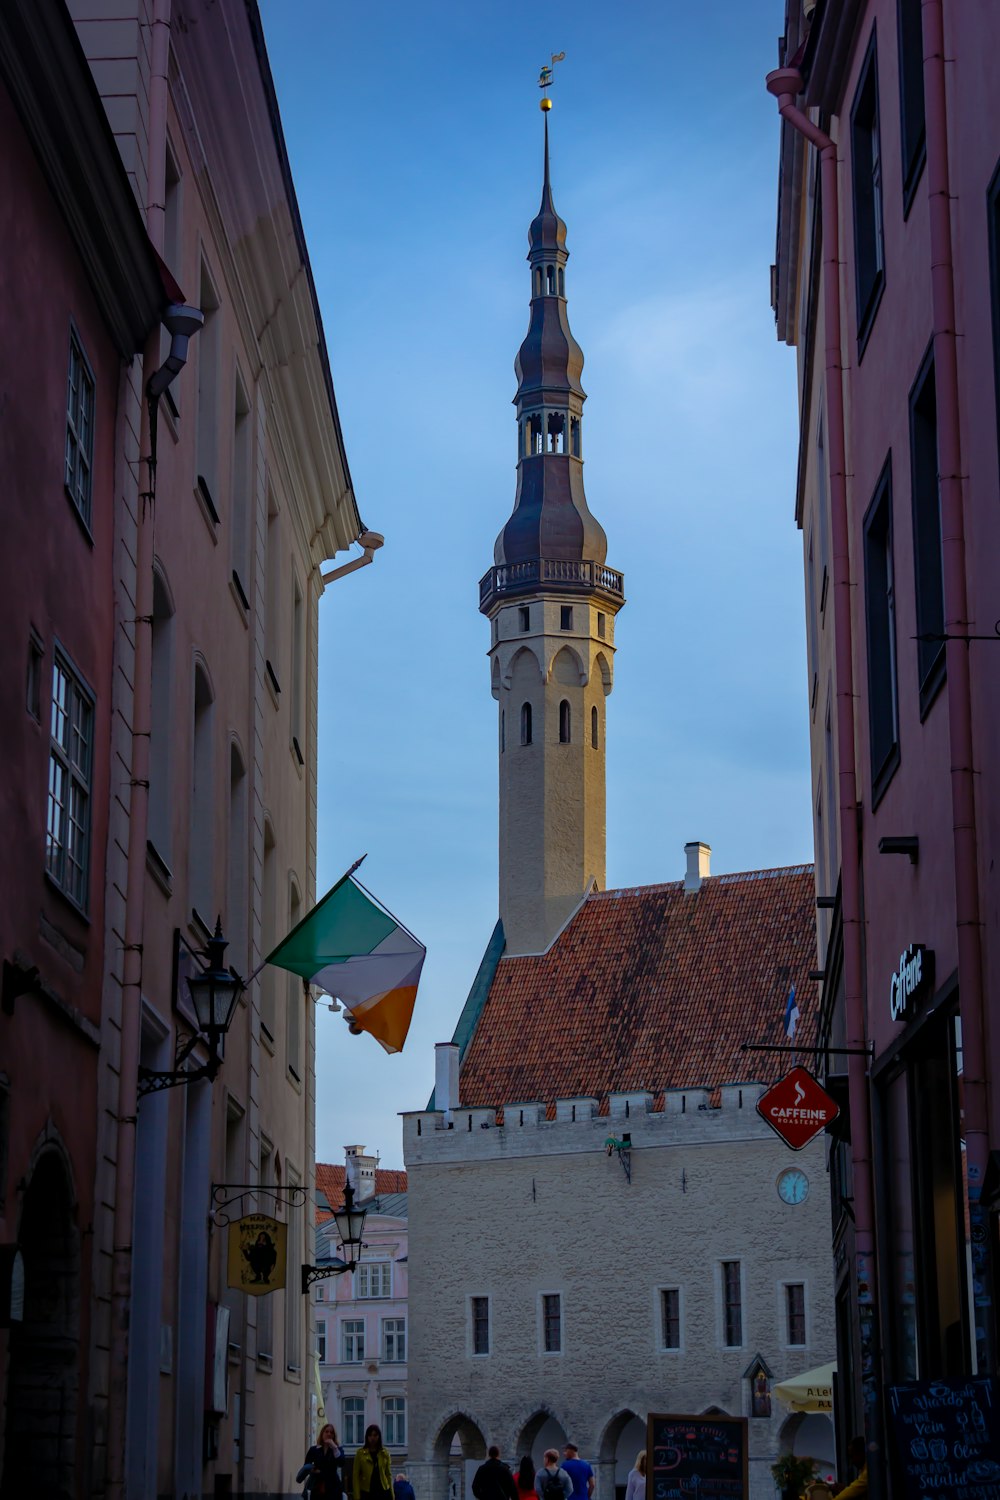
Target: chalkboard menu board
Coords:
[(700, 1457), (947, 1438)]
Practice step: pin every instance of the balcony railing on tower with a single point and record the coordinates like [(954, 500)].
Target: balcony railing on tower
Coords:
[(550, 572)]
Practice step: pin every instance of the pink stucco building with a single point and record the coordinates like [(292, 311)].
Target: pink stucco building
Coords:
[(887, 284)]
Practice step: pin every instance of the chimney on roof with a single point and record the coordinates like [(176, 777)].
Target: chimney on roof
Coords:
[(360, 1168), (698, 858), (446, 1078)]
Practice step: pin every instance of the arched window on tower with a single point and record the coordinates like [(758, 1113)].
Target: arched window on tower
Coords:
[(550, 280), (556, 425), (564, 722), (525, 723), (562, 282), (574, 436), (594, 728), (503, 731), (538, 281), (535, 444)]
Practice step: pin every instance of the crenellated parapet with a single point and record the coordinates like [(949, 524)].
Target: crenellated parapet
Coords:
[(686, 1117)]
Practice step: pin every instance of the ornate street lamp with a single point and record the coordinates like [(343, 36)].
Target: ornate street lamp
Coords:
[(350, 1222), (214, 992)]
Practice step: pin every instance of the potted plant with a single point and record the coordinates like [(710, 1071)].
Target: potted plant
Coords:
[(792, 1474)]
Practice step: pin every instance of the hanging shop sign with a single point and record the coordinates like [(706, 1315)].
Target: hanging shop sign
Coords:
[(797, 1108), (912, 982), (256, 1261)]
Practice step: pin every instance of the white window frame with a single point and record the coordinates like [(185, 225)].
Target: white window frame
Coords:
[(473, 1352), (720, 1283), (551, 1353), (352, 1435), (397, 1336), (321, 1340), (364, 1277), (71, 758), (349, 1330), (393, 1420), (661, 1346)]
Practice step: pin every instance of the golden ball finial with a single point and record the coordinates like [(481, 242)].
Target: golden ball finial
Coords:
[(545, 104)]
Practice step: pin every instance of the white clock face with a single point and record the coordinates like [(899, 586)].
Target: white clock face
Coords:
[(793, 1186)]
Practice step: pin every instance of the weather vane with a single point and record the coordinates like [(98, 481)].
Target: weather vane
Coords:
[(545, 81)]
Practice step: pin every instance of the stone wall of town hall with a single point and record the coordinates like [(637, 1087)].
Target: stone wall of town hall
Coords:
[(539, 1207)]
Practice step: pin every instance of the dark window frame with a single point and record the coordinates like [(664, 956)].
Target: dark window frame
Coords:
[(526, 728), (732, 1304), (867, 196), (670, 1317), (552, 1322), (81, 420), (913, 132), (71, 757), (479, 1314), (795, 1314), (880, 635), (928, 581)]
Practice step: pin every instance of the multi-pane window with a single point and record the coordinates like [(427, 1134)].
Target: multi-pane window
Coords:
[(795, 1312), (927, 559), (393, 1339), (880, 620), (70, 765), (373, 1279), (352, 1423), (670, 1317), (732, 1304), (79, 429), (480, 1314), (866, 177), (352, 1334), (394, 1421), (321, 1342), (552, 1322)]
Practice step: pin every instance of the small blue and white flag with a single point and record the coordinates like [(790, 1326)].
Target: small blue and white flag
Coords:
[(791, 1015)]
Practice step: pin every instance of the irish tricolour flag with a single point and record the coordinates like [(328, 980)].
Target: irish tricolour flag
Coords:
[(352, 948)]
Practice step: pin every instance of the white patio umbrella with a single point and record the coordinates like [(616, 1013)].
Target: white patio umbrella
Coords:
[(810, 1391)]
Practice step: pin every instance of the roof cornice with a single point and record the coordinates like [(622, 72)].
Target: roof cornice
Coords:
[(50, 82)]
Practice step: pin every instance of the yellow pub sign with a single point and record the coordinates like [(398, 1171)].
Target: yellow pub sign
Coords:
[(257, 1254)]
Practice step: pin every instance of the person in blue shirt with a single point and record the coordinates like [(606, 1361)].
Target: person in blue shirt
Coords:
[(579, 1471), (402, 1489)]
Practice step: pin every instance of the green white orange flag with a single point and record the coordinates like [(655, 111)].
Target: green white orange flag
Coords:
[(352, 948)]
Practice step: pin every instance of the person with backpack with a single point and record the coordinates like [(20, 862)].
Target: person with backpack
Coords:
[(493, 1480), (552, 1482)]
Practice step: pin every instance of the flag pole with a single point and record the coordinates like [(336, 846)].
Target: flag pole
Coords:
[(336, 887)]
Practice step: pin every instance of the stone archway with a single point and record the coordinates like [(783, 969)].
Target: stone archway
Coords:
[(454, 1453), (43, 1362), (622, 1438), (541, 1430)]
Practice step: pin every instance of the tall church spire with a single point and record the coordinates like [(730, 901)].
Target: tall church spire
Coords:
[(551, 601)]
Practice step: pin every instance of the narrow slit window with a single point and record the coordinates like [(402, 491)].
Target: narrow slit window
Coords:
[(525, 723), (524, 612), (594, 728), (562, 282), (566, 617), (574, 433), (564, 723)]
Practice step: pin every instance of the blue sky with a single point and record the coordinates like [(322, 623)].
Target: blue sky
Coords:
[(416, 142)]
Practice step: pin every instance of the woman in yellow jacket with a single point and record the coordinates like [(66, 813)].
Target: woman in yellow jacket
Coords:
[(371, 1472)]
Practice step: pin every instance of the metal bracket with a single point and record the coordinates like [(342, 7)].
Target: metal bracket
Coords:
[(154, 1080), (321, 1273), (291, 1197), (929, 635), (868, 1051), (623, 1150)]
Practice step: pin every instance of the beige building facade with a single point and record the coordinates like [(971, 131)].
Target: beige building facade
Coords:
[(580, 1301)]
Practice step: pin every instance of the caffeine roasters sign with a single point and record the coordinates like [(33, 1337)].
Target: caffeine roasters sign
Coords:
[(911, 981), (797, 1108)]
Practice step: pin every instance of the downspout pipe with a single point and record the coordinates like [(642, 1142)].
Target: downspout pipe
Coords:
[(959, 687), (181, 323), (371, 541), (786, 84)]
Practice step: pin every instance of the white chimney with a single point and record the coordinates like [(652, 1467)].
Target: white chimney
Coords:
[(698, 857), (360, 1168), (446, 1078)]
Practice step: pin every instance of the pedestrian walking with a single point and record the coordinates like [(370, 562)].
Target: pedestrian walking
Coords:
[(579, 1471), (524, 1478), (402, 1489), (635, 1488), (493, 1479), (552, 1482), (371, 1472), (323, 1468)]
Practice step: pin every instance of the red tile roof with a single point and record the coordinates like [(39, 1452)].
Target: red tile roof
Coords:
[(330, 1182), (652, 988)]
